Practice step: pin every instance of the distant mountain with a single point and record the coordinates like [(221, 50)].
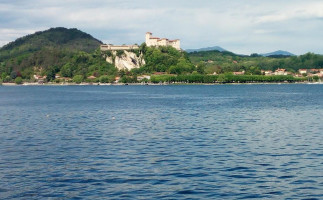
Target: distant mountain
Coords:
[(278, 53), (47, 48), (206, 49)]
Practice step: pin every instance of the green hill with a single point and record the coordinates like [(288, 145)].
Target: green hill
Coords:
[(62, 38), (44, 49)]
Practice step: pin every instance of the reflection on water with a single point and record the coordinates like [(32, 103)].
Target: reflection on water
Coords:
[(172, 142)]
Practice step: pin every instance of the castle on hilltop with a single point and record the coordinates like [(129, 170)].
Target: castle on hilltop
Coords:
[(155, 41), (150, 41)]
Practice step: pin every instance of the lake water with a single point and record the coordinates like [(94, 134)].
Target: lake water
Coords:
[(161, 142)]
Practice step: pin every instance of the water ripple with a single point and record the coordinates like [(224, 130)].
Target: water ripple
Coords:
[(163, 142)]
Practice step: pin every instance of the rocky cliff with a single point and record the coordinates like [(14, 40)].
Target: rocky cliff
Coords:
[(126, 60)]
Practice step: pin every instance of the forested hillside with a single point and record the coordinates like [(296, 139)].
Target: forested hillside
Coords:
[(61, 54), (70, 53), (164, 59), (44, 49), (60, 38), (222, 62)]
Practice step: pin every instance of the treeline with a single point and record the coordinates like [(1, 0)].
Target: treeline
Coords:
[(77, 66), (222, 78), (223, 62)]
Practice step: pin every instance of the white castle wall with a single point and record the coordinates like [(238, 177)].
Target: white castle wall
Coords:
[(154, 41), (150, 41), (110, 47)]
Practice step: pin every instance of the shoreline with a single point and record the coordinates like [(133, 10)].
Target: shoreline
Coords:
[(153, 84)]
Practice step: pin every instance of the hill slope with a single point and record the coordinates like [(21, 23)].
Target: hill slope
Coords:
[(45, 48), (72, 39)]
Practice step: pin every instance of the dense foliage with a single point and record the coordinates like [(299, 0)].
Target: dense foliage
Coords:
[(164, 59), (61, 54), (222, 62), (54, 38), (68, 52), (222, 78)]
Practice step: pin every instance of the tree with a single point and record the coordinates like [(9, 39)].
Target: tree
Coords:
[(78, 79), (255, 55), (176, 69), (106, 79), (222, 78), (201, 68), (50, 75), (13, 74), (18, 80), (122, 72), (315, 78), (253, 70), (27, 73), (66, 70), (7, 79)]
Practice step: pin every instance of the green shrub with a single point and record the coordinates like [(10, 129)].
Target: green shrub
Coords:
[(315, 78), (107, 79), (108, 53), (120, 53), (18, 80), (7, 79), (78, 79), (104, 79)]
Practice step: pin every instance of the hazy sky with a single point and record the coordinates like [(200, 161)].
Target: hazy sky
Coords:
[(241, 26)]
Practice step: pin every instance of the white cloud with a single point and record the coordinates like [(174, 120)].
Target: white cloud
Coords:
[(242, 26), (305, 10), (8, 35)]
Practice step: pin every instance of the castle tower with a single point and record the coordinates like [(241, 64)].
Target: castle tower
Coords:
[(148, 35)]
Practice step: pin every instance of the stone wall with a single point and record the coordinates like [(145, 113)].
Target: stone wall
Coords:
[(110, 47)]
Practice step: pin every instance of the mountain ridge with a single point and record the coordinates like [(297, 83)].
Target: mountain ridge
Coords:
[(217, 48), (278, 53)]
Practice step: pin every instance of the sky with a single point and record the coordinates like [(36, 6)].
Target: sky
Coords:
[(240, 26)]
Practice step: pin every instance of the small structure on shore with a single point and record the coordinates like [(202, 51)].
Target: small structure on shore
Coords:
[(280, 71)]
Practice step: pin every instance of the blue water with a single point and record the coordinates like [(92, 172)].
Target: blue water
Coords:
[(161, 142)]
